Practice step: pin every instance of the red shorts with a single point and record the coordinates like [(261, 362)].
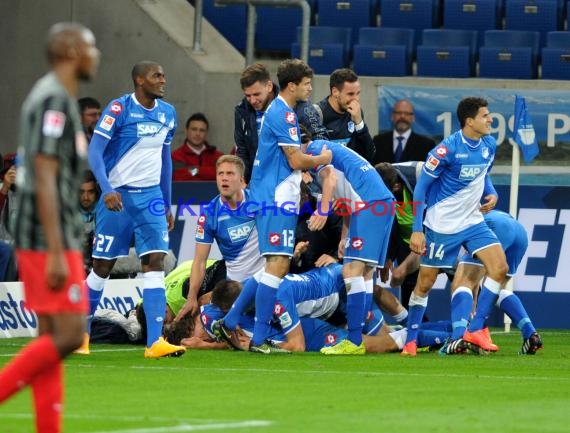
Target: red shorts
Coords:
[(41, 299)]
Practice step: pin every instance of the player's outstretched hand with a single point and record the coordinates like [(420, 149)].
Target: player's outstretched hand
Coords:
[(189, 307)]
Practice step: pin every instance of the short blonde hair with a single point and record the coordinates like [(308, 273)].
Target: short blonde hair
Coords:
[(232, 159)]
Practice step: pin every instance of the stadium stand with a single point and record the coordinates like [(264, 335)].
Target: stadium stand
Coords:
[(477, 15), (329, 48), (556, 56), (532, 15), (384, 51), (509, 54), (414, 14), (447, 53), (346, 13)]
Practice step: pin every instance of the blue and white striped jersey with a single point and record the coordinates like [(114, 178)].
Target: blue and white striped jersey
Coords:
[(273, 180), (461, 167), (236, 236), (137, 136)]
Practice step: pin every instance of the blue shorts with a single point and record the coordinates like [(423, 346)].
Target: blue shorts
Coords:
[(368, 237), (114, 231), (319, 334), (514, 252), (443, 249), (276, 231)]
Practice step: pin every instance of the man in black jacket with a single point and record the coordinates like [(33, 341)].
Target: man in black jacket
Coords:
[(342, 115), (402, 144), (259, 91)]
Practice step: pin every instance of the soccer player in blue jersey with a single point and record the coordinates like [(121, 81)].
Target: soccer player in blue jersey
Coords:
[(454, 180), (275, 188), (367, 207), (130, 157), (514, 240), (225, 220)]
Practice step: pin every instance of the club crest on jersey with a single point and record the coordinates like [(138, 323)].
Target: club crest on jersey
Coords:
[(116, 108), (330, 339), (432, 163), (274, 239), (147, 129), (290, 117), (53, 123), (357, 243), (441, 151), (294, 134), (485, 152), (350, 126), (162, 117), (240, 232), (107, 122)]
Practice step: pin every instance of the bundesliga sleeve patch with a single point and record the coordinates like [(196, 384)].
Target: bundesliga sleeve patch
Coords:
[(290, 117), (432, 163), (200, 227), (107, 122), (294, 134), (53, 123)]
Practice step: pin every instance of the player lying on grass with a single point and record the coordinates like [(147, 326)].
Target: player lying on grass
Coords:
[(316, 332)]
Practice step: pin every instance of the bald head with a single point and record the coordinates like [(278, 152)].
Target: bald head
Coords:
[(63, 38), (141, 69)]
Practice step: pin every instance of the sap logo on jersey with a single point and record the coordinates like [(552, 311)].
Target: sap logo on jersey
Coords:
[(241, 232), (146, 129), (469, 172)]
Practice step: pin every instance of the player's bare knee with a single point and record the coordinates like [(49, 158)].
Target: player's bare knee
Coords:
[(152, 262)]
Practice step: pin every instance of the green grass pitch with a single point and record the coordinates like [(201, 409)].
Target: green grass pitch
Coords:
[(116, 390)]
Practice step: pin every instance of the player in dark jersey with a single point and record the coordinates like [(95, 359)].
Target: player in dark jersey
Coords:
[(48, 226)]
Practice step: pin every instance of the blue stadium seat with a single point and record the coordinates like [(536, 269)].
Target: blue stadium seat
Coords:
[(229, 20), (556, 56), (346, 13), (329, 48), (384, 51), (477, 15), (412, 14), (276, 27), (447, 53), (531, 15), (509, 54)]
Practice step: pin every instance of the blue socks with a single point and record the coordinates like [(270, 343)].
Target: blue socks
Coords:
[(95, 285), (416, 310), (154, 304), (245, 300), (355, 308), (264, 306), (461, 306), (511, 304), (485, 303)]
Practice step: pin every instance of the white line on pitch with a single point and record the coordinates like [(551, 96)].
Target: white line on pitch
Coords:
[(189, 428)]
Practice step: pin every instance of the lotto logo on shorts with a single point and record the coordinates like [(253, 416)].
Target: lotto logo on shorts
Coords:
[(357, 243), (274, 239), (330, 340)]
